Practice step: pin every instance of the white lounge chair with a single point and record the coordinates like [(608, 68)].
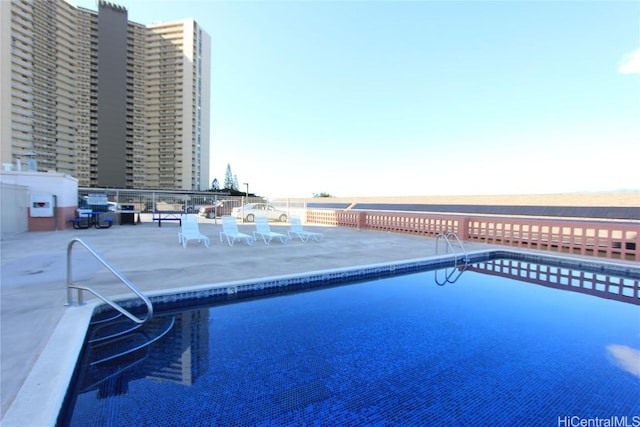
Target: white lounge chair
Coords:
[(263, 230), (189, 230), (230, 230), (296, 229)]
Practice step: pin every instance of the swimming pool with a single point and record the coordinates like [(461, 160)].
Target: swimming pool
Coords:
[(481, 349)]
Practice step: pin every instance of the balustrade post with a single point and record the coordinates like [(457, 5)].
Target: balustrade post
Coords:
[(463, 228), (362, 220)]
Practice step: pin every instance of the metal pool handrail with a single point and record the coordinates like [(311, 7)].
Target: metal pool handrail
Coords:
[(116, 273), (447, 238)]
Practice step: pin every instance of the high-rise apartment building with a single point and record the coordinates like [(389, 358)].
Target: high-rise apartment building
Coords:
[(111, 102)]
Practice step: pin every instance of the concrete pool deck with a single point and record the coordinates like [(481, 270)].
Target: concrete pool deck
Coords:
[(33, 273)]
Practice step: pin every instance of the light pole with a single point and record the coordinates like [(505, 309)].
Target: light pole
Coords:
[(246, 198)]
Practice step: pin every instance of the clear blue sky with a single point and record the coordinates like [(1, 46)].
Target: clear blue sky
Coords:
[(364, 98)]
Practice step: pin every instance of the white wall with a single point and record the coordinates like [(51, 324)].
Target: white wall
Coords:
[(20, 185), (63, 186)]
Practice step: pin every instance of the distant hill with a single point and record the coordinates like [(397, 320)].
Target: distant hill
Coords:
[(602, 206), (610, 199)]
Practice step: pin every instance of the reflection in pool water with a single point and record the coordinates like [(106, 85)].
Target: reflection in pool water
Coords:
[(626, 358), (485, 350)]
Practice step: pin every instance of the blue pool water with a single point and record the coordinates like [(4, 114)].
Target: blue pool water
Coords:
[(397, 351)]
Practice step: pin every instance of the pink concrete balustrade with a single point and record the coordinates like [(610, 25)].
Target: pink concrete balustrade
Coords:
[(606, 239), (610, 239)]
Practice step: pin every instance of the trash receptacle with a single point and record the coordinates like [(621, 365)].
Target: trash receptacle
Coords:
[(127, 217)]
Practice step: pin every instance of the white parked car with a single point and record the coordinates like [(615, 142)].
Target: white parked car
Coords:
[(250, 211)]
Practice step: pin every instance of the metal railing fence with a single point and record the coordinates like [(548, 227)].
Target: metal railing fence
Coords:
[(610, 239), (149, 201)]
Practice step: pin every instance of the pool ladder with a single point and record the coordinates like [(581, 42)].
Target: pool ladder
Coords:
[(115, 344), (111, 339), (448, 238), (114, 305), (116, 350)]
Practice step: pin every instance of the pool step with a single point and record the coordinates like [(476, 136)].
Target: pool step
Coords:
[(116, 328), (105, 317), (120, 338)]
